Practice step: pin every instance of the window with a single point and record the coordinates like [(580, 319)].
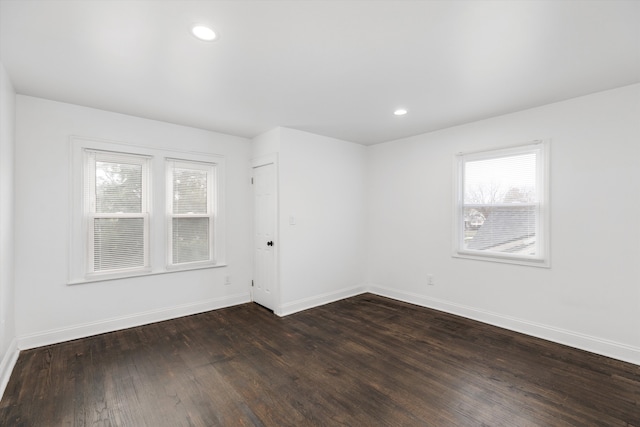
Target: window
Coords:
[(141, 210), (190, 212), (117, 214), (501, 205)]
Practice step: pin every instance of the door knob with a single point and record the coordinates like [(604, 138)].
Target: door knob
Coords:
[(270, 243)]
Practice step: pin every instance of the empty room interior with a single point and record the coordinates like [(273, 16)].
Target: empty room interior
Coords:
[(356, 213)]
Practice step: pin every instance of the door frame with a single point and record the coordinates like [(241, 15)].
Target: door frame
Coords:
[(255, 163)]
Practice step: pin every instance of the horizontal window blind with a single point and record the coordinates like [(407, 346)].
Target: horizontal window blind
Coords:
[(118, 243), (190, 240), (116, 196), (501, 209), (191, 197)]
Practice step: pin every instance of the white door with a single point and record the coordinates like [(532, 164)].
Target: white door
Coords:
[(264, 196)]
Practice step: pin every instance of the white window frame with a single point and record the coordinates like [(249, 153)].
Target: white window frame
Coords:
[(542, 258), (211, 211), (90, 214), (78, 248)]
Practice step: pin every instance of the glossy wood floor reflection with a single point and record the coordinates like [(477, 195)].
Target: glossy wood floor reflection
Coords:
[(364, 361)]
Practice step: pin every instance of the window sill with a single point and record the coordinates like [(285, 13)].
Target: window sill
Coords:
[(543, 263), (116, 276)]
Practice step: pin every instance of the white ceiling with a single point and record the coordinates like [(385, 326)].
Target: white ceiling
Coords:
[(335, 68)]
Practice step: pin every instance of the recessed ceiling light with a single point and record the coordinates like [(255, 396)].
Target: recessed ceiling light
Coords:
[(204, 33), (400, 112)]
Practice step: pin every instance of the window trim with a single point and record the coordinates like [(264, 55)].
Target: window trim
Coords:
[(541, 147), (212, 205), (77, 247)]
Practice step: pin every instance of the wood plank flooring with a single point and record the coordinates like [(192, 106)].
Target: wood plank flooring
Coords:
[(363, 361)]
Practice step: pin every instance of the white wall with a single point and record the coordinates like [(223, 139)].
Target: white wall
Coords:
[(590, 297), (49, 310), (8, 349), (266, 144), (321, 184)]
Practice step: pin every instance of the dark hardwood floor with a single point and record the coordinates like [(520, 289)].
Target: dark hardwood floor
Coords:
[(363, 361)]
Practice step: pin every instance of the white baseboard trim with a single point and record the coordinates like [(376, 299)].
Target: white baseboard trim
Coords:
[(318, 300), (7, 364), (55, 336), (578, 340)]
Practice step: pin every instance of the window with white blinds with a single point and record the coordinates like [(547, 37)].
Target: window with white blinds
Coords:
[(117, 214), (140, 210), (502, 206), (191, 197)]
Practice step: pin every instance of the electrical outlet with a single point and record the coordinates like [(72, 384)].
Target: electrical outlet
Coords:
[(227, 280), (430, 281)]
